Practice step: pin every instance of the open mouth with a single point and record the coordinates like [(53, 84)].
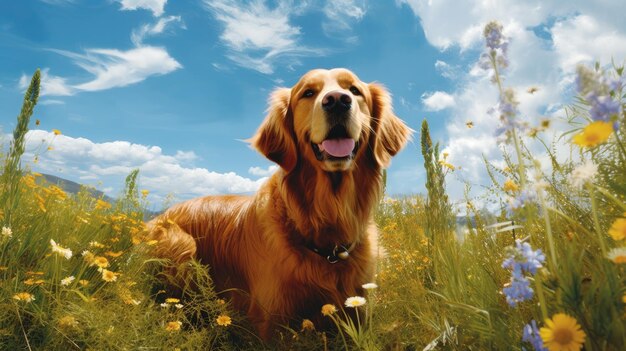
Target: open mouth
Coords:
[(337, 146)]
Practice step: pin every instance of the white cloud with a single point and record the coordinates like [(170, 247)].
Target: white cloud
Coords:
[(50, 85), (446, 70), (110, 162), (146, 30), (437, 101), (341, 15), (584, 39), (50, 102), (258, 36), (548, 39), (115, 68), (156, 6), (263, 172)]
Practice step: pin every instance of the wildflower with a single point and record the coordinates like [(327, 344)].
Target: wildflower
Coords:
[(493, 35), (521, 259), (67, 281), (355, 301), (223, 320), (562, 332), (83, 282), (108, 276), (56, 132), (101, 262), (594, 134), (369, 286), (67, 253), (173, 326), (618, 229), (31, 281), (617, 255), (96, 244), (518, 290), (6, 231), (24, 296), (531, 336), (525, 197), (164, 305), (172, 300), (221, 302), (469, 124), (88, 257), (144, 193), (307, 325), (510, 185), (68, 322), (102, 205), (583, 174), (114, 254), (178, 305)]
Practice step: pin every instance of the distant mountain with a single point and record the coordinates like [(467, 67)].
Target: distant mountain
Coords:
[(73, 187)]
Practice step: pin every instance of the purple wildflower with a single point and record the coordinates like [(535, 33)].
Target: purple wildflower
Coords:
[(518, 290), (603, 107), (521, 259), (493, 35), (525, 196), (531, 336)]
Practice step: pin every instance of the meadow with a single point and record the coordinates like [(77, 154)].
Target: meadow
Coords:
[(544, 272)]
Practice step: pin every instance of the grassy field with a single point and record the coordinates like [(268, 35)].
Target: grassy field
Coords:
[(547, 271)]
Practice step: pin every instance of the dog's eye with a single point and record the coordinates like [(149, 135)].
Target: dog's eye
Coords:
[(354, 90), (308, 93)]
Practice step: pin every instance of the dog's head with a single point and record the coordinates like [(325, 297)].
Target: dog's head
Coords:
[(330, 119)]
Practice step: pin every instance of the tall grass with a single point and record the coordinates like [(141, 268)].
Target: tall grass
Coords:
[(97, 287)]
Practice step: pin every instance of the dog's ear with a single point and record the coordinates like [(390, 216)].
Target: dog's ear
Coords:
[(390, 132), (275, 136)]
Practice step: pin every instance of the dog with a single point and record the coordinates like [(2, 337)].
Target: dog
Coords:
[(306, 238)]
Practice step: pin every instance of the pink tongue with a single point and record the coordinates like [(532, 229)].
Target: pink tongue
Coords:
[(338, 147)]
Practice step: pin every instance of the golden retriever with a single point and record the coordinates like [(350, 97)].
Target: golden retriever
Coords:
[(305, 238)]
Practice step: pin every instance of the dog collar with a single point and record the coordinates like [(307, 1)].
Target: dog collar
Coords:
[(338, 252)]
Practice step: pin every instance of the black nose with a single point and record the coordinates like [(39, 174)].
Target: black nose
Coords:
[(336, 102)]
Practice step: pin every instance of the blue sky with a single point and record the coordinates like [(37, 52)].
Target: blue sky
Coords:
[(171, 87)]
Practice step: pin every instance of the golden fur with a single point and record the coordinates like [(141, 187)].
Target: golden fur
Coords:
[(260, 244)]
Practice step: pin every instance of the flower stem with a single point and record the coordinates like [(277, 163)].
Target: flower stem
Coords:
[(546, 218), (541, 296), (596, 221)]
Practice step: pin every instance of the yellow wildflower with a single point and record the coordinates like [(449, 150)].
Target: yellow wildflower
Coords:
[(24, 296), (307, 325), (68, 322), (83, 282), (114, 254), (102, 205), (173, 326), (144, 193), (101, 262), (172, 300), (618, 229), (56, 132), (328, 309), (562, 332), (510, 185), (108, 276), (223, 320), (594, 134), (31, 281)]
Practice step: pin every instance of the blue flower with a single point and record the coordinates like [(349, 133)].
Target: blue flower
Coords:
[(493, 35), (531, 335), (518, 290), (521, 259), (525, 196), (603, 107)]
